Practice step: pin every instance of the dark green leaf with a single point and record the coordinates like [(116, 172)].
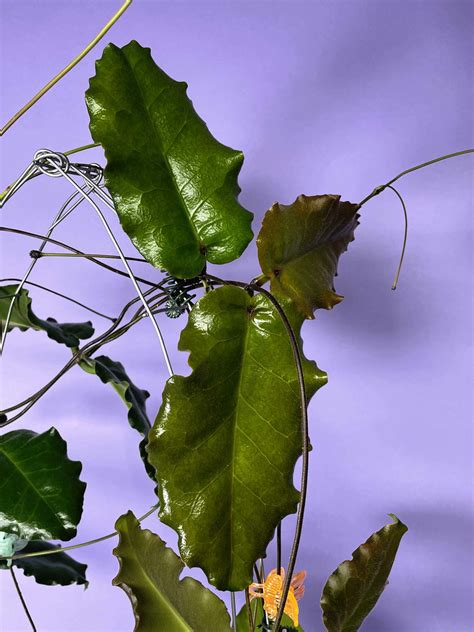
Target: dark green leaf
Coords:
[(40, 492), (58, 568), (299, 246), (173, 184), (113, 373), (243, 624), (23, 317), (149, 574), (356, 585), (227, 437)]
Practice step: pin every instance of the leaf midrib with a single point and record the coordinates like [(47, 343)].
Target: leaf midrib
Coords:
[(370, 585), (162, 151), (329, 243), (163, 597), (15, 465)]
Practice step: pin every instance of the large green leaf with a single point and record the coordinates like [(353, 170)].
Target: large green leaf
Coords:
[(299, 246), (40, 492), (243, 624), (113, 373), (227, 437), (55, 569), (149, 574), (356, 585), (22, 316), (173, 184)]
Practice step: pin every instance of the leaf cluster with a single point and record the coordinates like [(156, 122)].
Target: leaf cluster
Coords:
[(227, 437)]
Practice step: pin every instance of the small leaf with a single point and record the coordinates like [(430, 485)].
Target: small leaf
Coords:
[(22, 316), (356, 585), (56, 569), (243, 624), (299, 246), (226, 438), (173, 184), (113, 373), (149, 574), (40, 492)]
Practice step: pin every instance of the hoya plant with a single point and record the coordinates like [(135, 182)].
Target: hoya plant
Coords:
[(223, 446)]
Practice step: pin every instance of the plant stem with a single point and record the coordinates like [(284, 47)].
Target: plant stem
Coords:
[(76, 150), (234, 612), (382, 187), (61, 244), (278, 534), (39, 255), (75, 546), (65, 70), (405, 237), (249, 610), (23, 602), (67, 298)]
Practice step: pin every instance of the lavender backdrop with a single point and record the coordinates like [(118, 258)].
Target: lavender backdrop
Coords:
[(322, 97)]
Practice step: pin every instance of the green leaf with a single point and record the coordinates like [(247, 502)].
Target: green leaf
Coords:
[(23, 317), (242, 619), (40, 492), (299, 246), (355, 586), (149, 574), (113, 373), (227, 437), (56, 569), (173, 184)]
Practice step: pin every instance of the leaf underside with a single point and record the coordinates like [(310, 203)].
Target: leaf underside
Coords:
[(227, 437), (23, 317), (173, 184), (299, 246), (51, 570), (41, 495), (149, 574), (113, 373), (356, 585)]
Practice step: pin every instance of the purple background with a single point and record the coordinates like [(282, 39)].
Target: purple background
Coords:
[(322, 97)]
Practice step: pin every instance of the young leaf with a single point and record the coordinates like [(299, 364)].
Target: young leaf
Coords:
[(40, 492), (22, 316), (356, 585), (173, 184), (56, 569), (299, 246), (113, 373), (243, 624), (149, 574), (227, 437)]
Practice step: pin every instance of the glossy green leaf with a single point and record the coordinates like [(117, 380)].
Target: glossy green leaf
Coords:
[(243, 624), (113, 373), (51, 570), (173, 184), (299, 246), (23, 317), (149, 574), (227, 437), (356, 585), (40, 492)]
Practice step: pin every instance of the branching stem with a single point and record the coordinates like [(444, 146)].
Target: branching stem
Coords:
[(74, 546), (67, 298), (18, 231), (382, 187)]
